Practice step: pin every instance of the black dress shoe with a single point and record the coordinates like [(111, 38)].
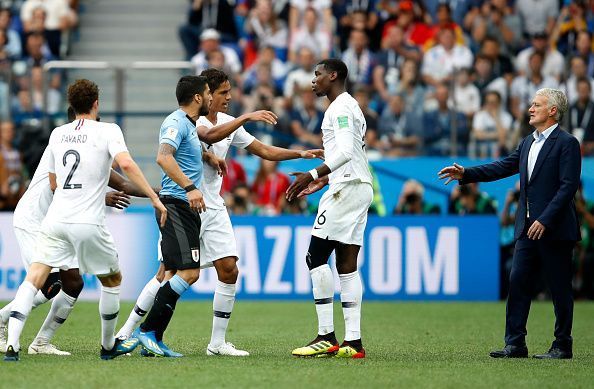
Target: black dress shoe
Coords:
[(555, 353), (510, 351)]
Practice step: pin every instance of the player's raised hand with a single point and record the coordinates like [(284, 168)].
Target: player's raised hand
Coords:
[(162, 211), (313, 187), (119, 200), (196, 200), (301, 182), (454, 172), (263, 116), (311, 154)]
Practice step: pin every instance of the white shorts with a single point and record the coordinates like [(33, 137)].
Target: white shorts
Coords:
[(60, 243), (342, 212), (27, 241), (217, 239)]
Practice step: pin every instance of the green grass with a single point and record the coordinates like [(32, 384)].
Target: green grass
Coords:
[(441, 345)]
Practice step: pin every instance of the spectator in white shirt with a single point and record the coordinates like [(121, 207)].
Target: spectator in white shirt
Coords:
[(322, 7), (466, 98), (440, 61), (310, 35), (300, 77), (59, 17), (209, 42), (267, 29), (491, 126), (523, 88), (554, 63)]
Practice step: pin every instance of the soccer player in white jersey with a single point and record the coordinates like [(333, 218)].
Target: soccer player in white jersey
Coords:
[(80, 158), (342, 213), (64, 286), (217, 241)]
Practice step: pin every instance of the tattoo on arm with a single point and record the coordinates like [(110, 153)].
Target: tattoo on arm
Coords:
[(165, 149)]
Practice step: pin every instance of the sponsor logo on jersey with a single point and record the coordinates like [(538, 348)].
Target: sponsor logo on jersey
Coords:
[(343, 121)]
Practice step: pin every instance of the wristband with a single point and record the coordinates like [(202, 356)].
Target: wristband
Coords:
[(314, 173), (190, 188)]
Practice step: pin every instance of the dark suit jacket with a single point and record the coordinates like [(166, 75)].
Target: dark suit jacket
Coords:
[(552, 186)]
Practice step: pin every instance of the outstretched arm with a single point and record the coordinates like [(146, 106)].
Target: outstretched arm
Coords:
[(273, 153), (135, 175), (120, 183), (505, 167), (220, 132)]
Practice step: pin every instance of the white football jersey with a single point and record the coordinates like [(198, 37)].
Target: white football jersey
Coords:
[(343, 128), (81, 154), (33, 206), (212, 182)]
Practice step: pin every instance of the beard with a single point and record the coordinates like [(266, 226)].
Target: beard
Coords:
[(204, 108)]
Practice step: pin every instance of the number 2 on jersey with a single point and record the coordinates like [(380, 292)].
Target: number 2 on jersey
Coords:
[(67, 184)]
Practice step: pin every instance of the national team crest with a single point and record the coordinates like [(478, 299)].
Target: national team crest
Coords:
[(196, 255)]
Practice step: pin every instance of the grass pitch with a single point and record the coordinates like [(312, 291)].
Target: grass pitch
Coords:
[(441, 345)]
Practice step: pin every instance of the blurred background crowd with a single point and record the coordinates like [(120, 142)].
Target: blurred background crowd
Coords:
[(433, 78)]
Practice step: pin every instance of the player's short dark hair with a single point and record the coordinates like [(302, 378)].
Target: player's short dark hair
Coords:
[(335, 65), (188, 86), (70, 114), (82, 94), (215, 78)]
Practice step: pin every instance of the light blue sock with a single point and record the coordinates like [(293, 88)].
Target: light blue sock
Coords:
[(178, 284)]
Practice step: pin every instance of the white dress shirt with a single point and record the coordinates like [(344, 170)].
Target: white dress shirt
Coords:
[(539, 140)]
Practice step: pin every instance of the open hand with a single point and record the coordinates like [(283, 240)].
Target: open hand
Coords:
[(311, 154), (118, 200), (313, 187), (454, 172), (301, 182), (263, 116)]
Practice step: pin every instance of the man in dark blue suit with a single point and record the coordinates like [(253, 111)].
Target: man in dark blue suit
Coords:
[(549, 163)]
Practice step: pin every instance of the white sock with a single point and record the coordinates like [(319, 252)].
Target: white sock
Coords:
[(61, 307), (222, 305), (39, 299), (109, 307), (21, 307), (5, 312), (351, 294), (323, 292), (144, 303)]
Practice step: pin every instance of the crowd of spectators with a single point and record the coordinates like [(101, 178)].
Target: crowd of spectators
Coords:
[(32, 32), (435, 77)]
